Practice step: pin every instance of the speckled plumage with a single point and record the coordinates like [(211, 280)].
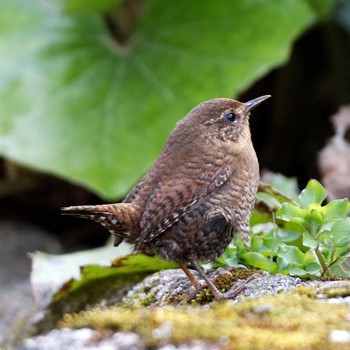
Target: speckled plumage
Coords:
[(198, 193)]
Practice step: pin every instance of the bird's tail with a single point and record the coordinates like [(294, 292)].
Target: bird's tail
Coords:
[(119, 219)]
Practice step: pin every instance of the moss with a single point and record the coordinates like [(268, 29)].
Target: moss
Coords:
[(205, 296), (336, 292), (263, 323), (243, 273), (142, 297), (309, 291), (150, 299)]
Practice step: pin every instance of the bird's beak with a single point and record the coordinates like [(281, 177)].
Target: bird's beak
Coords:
[(255, 102)]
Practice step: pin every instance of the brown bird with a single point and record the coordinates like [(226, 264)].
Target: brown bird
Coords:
[(197, 195)]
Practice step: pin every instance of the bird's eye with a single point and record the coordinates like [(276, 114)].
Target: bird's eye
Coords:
[(230, 117)]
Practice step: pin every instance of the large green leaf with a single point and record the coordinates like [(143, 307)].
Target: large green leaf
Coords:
[(50, 272), (91, 284), (76, 104), (124, 268), (99, 6)]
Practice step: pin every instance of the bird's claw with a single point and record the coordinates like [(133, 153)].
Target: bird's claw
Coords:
[(192, 295), (232, 293), (237, 288)]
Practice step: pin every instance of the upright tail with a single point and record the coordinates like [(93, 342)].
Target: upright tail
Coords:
[(118, 219)]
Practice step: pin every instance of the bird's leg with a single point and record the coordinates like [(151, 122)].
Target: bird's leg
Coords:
[(190, 275), (197, 285), (210, 284), (230, 294)]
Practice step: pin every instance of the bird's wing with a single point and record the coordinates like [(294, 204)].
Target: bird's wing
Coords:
[(135, 191), (173, 199)]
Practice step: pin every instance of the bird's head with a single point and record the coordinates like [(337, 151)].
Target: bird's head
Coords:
[(220, 120)]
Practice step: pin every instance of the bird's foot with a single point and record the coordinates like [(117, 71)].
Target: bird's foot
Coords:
[(235, 289), (232, 293), (192, 295)]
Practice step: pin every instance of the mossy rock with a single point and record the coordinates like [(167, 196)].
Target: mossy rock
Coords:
[(285, 321)]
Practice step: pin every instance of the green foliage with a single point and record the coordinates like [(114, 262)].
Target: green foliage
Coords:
[(287, 186), (76, 103), (303, 238)]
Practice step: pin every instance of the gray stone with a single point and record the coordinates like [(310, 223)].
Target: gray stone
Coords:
[(88, 339), (83, 339), (165, 286), (16, 301)]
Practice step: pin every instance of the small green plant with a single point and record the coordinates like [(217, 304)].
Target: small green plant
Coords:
[(301, 238)]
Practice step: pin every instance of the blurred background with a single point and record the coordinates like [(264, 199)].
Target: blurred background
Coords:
[(90, 90)]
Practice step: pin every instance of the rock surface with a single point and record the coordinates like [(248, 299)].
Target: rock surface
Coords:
[(155, 287), (16, 301), (87, 339), (164, 286)]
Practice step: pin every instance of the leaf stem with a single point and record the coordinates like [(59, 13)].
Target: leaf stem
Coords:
[(341, 255), (263, 187), (274, 242), (322, 262)]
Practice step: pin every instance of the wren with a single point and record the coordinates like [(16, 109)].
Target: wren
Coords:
[(198, 194)]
